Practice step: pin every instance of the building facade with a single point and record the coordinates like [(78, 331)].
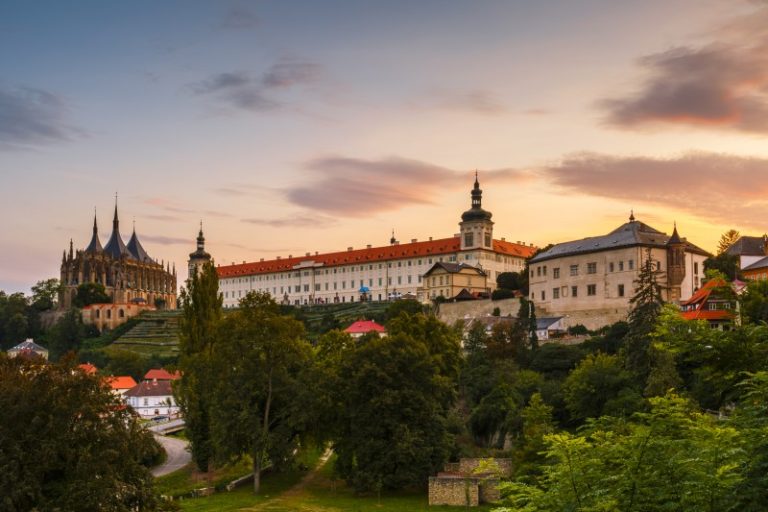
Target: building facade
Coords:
[(448, 280), (749, 250), (591, 281), (127, 272), (376, 273)]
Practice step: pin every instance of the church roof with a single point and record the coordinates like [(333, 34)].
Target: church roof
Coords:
[(631, 234), (476, 212), (115, 246), (95, 245), (136, 250), (370, 255)]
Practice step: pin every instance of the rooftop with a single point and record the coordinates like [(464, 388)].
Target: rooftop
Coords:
[(364, 326), (151, 388)]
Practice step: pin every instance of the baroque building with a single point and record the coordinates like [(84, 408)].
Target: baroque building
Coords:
[(377, 273), (129, 275)]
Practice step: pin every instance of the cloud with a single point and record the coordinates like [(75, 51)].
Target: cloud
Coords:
[(351, 186), (712, 186), (169, 205), (167, 240), (721, 84), (30, 117), (244, 91), (240, 17), (475, 101), (297, 221)]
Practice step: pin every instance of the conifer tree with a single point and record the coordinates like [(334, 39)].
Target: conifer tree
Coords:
[(646, 306), (201, 307)]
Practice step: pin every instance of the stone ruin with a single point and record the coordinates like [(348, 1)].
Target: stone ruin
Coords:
[(469, 482)]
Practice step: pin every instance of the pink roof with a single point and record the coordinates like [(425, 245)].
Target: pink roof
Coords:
[(88, 368), (121, 382), (364, 326), (161, 374)]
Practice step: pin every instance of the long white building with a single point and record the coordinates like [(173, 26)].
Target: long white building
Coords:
[(376, 273)]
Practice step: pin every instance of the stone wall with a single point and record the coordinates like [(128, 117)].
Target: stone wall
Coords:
[(454, 490), (449, 312), (468, 466), (489, 491)]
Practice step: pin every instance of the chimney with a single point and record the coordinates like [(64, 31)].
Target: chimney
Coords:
[(430, 239), (262, 259), (503, 239), (243, 262), (307, 254), (368, 246), (290, 256), (414, 240), (279, 257), (316, 253)]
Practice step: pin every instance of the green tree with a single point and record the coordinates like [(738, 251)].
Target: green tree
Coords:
[(263, 393), (125, 362), (600, 385), (754, 302), (508, 280), (66, 335), (663, 377), (68, 444), (91, 293), (726, 263), (645, 308), (526, 317), (751, 419), (201, 306), (45, 294)]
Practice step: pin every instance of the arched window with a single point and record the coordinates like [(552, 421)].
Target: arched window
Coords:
[(109, 313), (97, 313), (121, 313)]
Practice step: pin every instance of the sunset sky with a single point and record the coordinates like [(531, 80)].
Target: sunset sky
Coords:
[(290, 126)]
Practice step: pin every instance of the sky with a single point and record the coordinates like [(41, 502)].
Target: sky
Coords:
[(299, 126)]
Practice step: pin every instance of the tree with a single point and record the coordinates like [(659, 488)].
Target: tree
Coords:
[(595, 388), (201, 306), (754, 302), (526, 317), (68, 443), (645, 308), (727, 239), (66, 335), (91, 293), (45, 294), (263, 393), (508, 281), (726, 263)]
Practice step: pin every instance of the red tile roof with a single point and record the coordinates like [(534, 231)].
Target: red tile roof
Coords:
[(88, 368), (121, 382), (374, 254), (700, 299), (161, 374), (151, 388), (364, 326)]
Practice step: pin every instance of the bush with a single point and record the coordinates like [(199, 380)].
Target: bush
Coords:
[(502, 293)]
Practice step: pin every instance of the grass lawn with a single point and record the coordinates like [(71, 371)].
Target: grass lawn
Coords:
[(314, 493)]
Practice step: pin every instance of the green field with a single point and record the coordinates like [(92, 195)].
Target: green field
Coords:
[(313, 491)]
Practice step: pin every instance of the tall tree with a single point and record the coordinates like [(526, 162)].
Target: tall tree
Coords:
[(645, 308), (45, 294), (66, 335), (67, 443), (727, 240), (201, 306), (91, 293), (262, 402)]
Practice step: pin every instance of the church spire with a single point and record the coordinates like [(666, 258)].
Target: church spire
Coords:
[(115, 221), (115, 245), (95, 244), (393, 240)]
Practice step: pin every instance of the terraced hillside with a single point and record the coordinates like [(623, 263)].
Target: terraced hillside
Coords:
[(156, 332), (321, 318)]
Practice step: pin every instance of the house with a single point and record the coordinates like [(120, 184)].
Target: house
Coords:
[(749, 250), (715, 302), (152, 398), (28, 348), (757, 271), (453, 281), (548, 326), (362, 327), (109, 315), (591, 280), (121, 384), (161, 374)]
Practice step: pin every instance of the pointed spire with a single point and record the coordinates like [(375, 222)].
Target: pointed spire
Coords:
[(631, 215), (95, 244), (393, 240), (115, 221), (675, 238), (115, 246), (71, 249)]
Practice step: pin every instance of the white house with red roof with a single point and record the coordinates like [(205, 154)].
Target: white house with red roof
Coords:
[(376, 273), (152, 398), (362, 327)]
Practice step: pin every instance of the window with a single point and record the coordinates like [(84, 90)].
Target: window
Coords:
[(297, 288), (306, 287), (574, 291), (468, 239), (621, 290), (556, 273), (574, 270), (317, 287), (543, 295), (545, 270), (487, 239), (592, 268), (695, 267), (591, 289), (538, 271), (621, 266), (555, 293), (610, 267), (631, 264)]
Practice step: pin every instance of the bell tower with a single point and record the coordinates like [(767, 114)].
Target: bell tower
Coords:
[(476, 226), (198, 258)]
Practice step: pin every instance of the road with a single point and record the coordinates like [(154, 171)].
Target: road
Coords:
[(161, 428), (178, 455)]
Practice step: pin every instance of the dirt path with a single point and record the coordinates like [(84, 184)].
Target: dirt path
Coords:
[(178, 455)]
